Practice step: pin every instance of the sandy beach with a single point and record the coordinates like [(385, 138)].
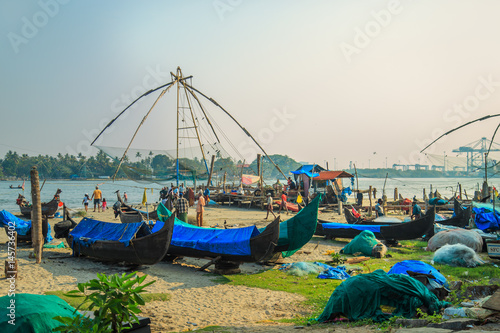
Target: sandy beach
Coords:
[(196, 300)]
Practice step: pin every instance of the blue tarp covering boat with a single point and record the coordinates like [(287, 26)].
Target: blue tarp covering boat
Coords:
[(88, 231), (22, 227), (224, 241)]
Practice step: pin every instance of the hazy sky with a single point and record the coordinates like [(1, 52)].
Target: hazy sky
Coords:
[(361, 81)]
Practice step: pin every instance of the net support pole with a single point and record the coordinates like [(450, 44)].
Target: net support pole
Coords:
[(211, 171), (36, 215)]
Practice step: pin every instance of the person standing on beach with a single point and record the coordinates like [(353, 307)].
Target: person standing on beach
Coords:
[(191, 196), (269, 204), (104, 204), (181, 207), (207, 195), (200, 208), (378, 208), (416, 212), (125, 196), (283, 203), (85, 202), (97, 195)]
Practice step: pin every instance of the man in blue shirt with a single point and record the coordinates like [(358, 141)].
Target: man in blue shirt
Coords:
[(416, 212), (378, 208)]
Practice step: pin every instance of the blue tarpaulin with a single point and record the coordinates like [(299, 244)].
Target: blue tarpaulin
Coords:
[(89, 231), (222, 241), (486, 219), (337, 273), (307, 170), (372, 228), (418, 266), (22, 227)]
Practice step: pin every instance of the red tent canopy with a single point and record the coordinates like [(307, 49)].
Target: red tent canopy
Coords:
[(329, 175)]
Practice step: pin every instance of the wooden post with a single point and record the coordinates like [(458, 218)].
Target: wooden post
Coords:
[(396, 196), (370, 198), (211, 171), (224, 182), (460, 190), (424, 196), (431, 194), (259, 170), (36, 215)]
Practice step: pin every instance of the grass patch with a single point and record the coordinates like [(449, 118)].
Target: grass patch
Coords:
[(76, 301), (318, 291)]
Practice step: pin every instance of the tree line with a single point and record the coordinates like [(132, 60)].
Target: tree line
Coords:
[(18, 166)]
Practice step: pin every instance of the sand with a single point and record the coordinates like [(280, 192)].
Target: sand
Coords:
[(196, 300)]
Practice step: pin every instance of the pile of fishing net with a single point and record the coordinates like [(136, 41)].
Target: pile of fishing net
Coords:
[(457, 255), (469, 238)]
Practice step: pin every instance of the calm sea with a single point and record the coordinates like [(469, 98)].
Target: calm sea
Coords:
[(73, 191)]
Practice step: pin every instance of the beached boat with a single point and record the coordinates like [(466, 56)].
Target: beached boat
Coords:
[(136, 215), (400, 231), (461, 218), (298, 230), (247, 244), (351, 219), (133, 243), (49, 208)]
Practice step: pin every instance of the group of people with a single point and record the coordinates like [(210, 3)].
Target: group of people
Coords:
[(99, 201), (282, 205), (179, 199)]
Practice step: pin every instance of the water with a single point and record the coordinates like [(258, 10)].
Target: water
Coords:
[(73, 191)]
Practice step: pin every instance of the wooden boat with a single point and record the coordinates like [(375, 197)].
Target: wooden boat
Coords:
[(48, 209), (144, 248), (393, 232), (462, 216), (197, 242), (135, 215), (351, 219), (493, 247), (298, 230)]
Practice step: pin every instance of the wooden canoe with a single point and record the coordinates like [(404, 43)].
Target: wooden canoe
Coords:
[(261, 246), (462, 216), (400, 231), (142, 250), (48, 209)]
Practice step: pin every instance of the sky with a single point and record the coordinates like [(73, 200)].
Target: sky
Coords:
[(367, 82)]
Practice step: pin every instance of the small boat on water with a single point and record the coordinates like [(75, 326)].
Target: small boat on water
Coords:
[(133, 243), (400, 231), (48, 209)]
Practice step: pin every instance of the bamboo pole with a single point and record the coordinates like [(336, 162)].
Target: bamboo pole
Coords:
[(356, 173), (211, 171), (36, 215), (224, 182), (460, 190)]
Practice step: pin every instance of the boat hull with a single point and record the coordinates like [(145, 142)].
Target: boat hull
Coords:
[(401, 231), (147, 250)]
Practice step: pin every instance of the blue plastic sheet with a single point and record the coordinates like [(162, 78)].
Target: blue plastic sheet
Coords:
[(486, 219), (22, 227), (418, 266), (337, 273), (372, 228), (221, 241), (88, 231)]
